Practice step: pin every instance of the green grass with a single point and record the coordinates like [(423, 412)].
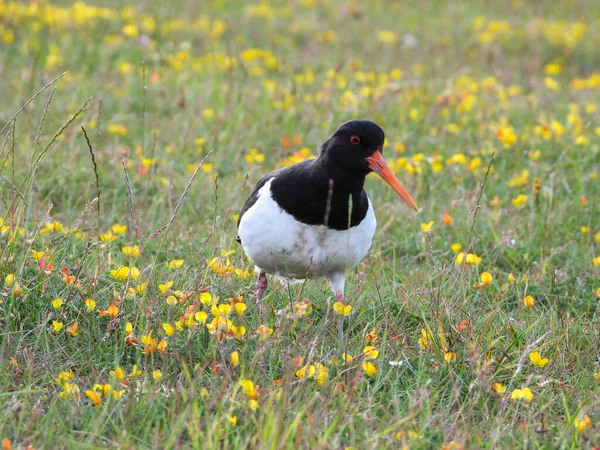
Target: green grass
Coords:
[(472, 73)]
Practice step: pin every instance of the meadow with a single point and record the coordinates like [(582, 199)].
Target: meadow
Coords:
[(131, 135)]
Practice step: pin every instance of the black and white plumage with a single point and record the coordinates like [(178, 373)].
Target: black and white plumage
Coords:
[(314, 219)]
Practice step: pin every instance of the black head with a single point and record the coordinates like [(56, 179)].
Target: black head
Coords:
[(354, 150), (351, 143)]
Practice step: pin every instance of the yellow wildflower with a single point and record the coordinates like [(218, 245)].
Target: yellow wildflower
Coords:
[(486, 278), (119, 229), (369, 368), (90, 304), (522, 394), (499, 388), (341, 309), (370, 352), (537, 359), (57, 303), (133, 251), (582, 424), (529, 302), (426, 227), (124, 272), (175, 263), (386, 36), (117, 129)]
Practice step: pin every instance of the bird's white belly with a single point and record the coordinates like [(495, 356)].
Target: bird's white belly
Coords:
[(279, 244)]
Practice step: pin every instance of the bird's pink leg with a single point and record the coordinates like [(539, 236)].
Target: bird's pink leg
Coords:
[(337, 283), (261, 287)]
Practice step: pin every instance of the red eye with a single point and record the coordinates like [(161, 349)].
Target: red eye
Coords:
[(354, 139)]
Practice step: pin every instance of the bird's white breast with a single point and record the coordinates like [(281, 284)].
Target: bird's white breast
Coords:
[(279, 244)]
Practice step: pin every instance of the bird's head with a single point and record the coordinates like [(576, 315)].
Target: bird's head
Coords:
[(357, 147)]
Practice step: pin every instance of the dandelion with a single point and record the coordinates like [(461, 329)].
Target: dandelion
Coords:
[(537, 360)]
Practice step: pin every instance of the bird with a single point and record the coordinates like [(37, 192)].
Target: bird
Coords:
[(313, 219)]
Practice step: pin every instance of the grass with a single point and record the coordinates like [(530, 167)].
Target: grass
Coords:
[(490, 112)]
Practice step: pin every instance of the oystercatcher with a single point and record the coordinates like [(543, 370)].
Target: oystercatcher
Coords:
[(314, 219)]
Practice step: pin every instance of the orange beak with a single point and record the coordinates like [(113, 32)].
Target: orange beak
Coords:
[(378, 165)]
